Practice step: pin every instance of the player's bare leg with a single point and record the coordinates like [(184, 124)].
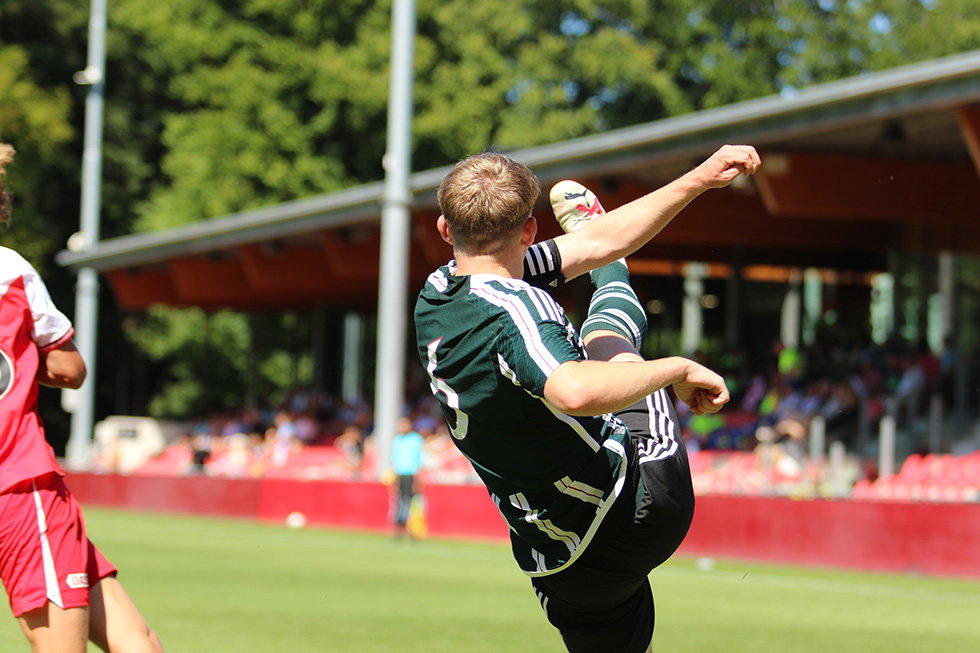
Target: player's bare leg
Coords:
[(616, 321), (610, 346), (116, 625), (51, 629)]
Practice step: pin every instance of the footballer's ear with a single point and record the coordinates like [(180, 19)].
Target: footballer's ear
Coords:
[(529, 232), (443, 227)]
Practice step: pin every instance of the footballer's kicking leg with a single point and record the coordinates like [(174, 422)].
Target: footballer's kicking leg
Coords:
[(616, 321), (116, 625), (51, 629), (613, 331)]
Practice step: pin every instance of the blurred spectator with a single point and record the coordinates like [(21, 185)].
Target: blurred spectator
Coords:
[(201, 453), (284, 438), (908, 389), (351, 443), (849, 382), (754, 393), (307, 429)]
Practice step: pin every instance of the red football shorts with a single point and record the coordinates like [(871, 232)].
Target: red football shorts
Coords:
[(45, 554)]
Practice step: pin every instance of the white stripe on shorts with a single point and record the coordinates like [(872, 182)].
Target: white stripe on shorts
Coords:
[(50, 575)]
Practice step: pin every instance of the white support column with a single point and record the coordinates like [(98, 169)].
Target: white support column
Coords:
[(886, 446), (389, 394), (789, 323), (838, 456), (350, 382), (692, 322), (78, 452), (882, 307), (818, 430), (812, 304)]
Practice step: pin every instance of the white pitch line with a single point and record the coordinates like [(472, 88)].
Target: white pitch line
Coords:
[(820, 585)]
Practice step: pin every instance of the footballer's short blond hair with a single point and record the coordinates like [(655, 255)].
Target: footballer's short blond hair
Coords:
[(486, 199)]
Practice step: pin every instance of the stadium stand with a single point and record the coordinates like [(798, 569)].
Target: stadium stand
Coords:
[(758, 446), (930, 477)]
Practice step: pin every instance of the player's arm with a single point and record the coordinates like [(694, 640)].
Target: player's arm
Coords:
[(61, 367), (624, 230), (591, 387)]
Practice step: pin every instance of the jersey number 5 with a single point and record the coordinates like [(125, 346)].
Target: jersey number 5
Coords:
[(452, 399)]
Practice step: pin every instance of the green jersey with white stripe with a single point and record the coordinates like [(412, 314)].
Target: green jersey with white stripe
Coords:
[(489, 344)]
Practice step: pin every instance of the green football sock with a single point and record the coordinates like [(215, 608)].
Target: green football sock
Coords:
[(614, 305)]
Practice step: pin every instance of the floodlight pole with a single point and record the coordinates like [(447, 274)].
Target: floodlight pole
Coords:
[(82, 401), (389, 393)]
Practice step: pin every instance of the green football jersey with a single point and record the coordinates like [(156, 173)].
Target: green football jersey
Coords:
[(489, 344)]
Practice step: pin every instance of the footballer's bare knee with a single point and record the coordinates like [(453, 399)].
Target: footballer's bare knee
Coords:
[(610, 346)]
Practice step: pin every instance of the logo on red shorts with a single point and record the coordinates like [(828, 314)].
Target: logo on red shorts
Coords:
[(77, 581)]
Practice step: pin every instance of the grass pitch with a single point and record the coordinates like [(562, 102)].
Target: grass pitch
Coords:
[(213, 585)]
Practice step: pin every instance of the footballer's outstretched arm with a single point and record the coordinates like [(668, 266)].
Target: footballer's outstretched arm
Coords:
[(622, 231), (592, 387)]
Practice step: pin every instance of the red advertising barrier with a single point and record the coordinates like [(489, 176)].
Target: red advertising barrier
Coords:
[(347, 505), (930, 538), (452, 510), (197, 495)]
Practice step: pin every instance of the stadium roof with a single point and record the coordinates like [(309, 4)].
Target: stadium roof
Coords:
[(852, 170)]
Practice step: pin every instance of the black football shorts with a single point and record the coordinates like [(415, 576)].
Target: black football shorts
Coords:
[(603, 603)]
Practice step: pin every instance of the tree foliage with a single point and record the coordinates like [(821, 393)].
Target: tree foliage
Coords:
[(261, 101), (35, 117), (223, 358), (217, 106)]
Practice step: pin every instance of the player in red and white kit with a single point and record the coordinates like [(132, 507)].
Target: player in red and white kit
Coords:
[(61, 588)]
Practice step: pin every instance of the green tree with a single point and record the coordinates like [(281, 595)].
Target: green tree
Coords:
[(260, 101), (221, 359), (217, 106), (36, 118)]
